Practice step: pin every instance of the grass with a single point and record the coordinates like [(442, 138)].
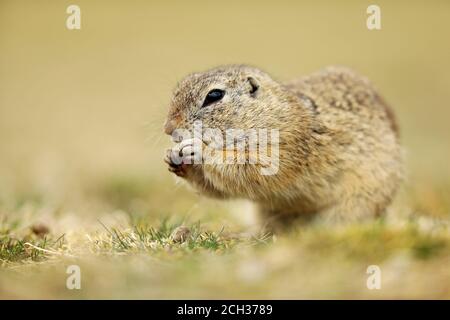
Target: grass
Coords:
[(148, 238), (376, 240), (23, 248), (140, 238)]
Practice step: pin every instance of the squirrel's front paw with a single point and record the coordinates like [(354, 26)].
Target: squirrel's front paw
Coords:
[(183, 155)]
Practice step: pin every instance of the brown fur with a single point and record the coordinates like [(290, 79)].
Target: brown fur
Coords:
[(340, 157)]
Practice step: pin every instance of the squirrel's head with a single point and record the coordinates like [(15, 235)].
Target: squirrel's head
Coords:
[(236, 96)]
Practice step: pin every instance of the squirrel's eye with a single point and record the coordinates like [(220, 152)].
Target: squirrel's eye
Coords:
[(213, 96)]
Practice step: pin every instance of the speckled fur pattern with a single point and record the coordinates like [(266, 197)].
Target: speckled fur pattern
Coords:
[(340, 157)]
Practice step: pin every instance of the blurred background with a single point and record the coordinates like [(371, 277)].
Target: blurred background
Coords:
[(81, 111)]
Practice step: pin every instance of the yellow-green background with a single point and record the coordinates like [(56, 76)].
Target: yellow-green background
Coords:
[(81, 116)]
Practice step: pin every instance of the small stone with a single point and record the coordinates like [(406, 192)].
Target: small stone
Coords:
[(180, 234), (40, 229)]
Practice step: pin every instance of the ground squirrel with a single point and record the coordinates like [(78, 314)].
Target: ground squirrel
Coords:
[(339, 152)]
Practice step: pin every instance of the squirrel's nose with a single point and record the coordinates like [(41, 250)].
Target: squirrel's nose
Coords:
[(169, 126)]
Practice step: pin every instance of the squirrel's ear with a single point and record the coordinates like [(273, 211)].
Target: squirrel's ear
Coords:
[(254, 86)]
